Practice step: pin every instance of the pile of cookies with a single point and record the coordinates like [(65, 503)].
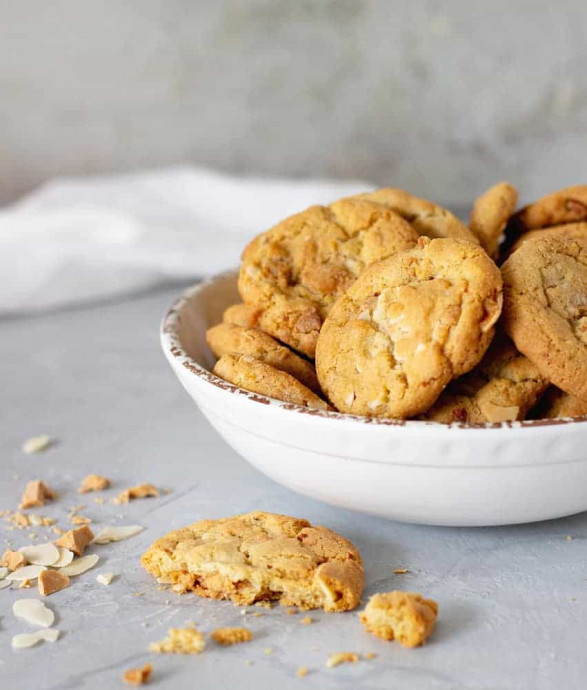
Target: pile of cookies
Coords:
[(387, 305)]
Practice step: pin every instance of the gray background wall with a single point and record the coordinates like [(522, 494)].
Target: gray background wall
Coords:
[(440, 98)]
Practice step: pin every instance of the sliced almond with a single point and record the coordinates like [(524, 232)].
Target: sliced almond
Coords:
[(41, 554), (65, 558), (105, 578), (4, 584), (36, 444), (27, 572), (34, 612), (25, 640), (3, 572), (51, 581), (108, 534), (80, 565)]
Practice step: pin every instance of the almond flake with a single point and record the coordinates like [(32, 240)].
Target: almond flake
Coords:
[(27, 572), (4, 584), (65, 558), (80, 565), (108, 534), (3, 572), (43, 554), (25, 640), (33, 611), (36, 444), (105, 578)]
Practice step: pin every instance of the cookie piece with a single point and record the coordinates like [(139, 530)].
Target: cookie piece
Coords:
[(558, 404), (545, 309), (292, 274), (407, 327), (570, 231), (402, 616), (260, 557), (256, 376), (490, 215), (240, 315), (565, 206), (230, 338), (503, 387), (427, 218)]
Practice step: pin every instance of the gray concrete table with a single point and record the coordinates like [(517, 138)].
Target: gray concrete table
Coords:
[(513, 601)]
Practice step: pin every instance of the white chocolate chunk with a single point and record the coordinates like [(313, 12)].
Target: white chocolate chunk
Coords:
[(105, 578), (36, 444)]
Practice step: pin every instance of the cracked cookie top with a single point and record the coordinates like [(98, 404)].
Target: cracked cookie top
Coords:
[(545, 308), (292, 274), (503, 387), (260, 556), (427, 218), (407, 327)]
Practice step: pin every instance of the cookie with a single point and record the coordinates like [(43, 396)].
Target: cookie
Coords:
[(503, 387), (259, 377), (239, 315), (491, 213), (427, 218), (570, 231), (557, 404), (292, 274), (260, 557), (407, 327), (545, 309), (402, 616), (565, 206), (229, 338)]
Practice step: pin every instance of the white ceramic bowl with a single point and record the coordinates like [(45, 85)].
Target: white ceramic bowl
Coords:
[(411, 471)]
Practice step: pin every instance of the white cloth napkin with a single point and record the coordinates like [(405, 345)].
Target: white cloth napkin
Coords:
[(75, 240)]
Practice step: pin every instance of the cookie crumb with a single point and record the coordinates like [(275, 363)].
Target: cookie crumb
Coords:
[(400, 571), (19, 520), (342, 658), (76, 540), (138, 491), (370, 655), (269, 651), (51, 581), (99, 500), (228, 636), (569, 537), (138, 676), (93, 482), (402, 616), (248, 662), (306, 620), (180, 641), (302, 672), (257, 614), (37, 444), (35, 494), (291, 612), (80, 520)]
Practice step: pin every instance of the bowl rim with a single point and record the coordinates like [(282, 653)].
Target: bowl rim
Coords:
[(173, 348)]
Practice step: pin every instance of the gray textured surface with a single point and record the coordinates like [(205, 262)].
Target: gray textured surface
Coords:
[(440, 98), (512, 600)]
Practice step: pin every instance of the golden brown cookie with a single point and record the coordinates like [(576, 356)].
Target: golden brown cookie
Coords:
[(570, 231), (545, 309), (292, 274), (565, 206), (490, 215), (402, 616), (426, 217), (556, 404), (407, 327), (259, 377), (240, 315), (228, 338), (260, 557), (503, 387)]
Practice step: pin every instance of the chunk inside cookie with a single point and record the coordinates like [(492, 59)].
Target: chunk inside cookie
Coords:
[(402, 616), (545, 309), (292, 274), (503, 387), (260, 557), (230, 338), (407, 327)]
